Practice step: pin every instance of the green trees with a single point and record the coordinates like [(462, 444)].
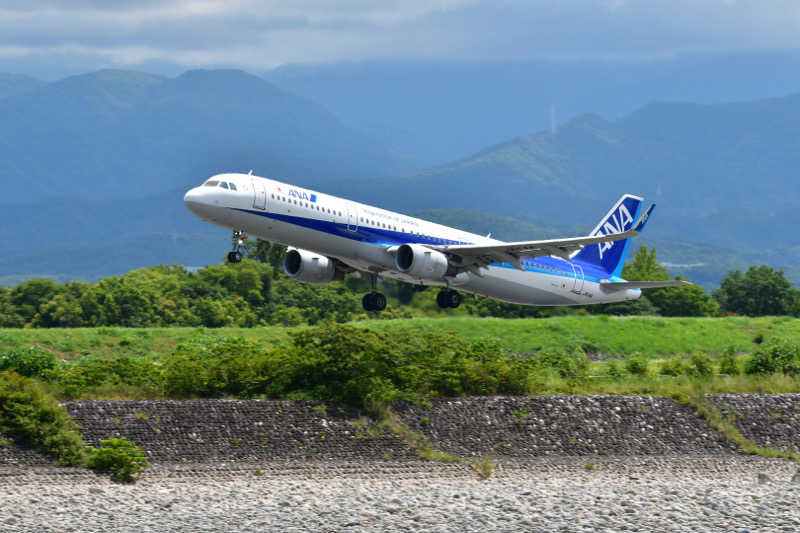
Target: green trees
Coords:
[(9, 315), (256, 292), (689, 300), (762, 290)]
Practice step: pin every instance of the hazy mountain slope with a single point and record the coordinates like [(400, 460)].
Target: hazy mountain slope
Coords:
[(93, 262), (16, 84), (90, 221), (443, 110), (722, 174), (114, 133)]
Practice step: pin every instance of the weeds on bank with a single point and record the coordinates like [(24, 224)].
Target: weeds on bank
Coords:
[(416, 441), (484, 466), (725, 426)]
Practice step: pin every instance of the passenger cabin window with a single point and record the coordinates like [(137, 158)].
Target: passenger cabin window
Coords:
[(211, 183)]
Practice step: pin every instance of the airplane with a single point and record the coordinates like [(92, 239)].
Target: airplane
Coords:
[(328, 237)]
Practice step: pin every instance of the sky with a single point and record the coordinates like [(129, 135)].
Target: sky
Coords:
[(53, 38)]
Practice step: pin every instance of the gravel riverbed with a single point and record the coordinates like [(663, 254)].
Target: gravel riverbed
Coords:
[(652, 493)]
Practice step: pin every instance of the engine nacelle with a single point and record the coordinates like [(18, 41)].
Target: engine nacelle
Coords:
[(308, 267), (421, 262)]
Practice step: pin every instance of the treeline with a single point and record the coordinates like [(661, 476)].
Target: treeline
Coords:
[(256, 292)]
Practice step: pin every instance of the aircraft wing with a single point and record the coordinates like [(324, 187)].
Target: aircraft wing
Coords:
[(513, 252)]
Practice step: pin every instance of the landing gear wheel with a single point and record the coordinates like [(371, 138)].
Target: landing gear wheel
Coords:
[(374, 301), (380, 302), (235, 256), (440, 299), (453, 299), (448, 298)]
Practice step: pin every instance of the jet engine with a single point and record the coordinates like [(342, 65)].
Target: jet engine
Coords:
[(308, 267), (421, 262)]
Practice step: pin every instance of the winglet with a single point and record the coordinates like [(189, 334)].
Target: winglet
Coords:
[(643, 219)]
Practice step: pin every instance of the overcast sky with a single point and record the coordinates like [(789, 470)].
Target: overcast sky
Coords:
[(53, 38)]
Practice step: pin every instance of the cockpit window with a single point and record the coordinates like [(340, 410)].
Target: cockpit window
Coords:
[(223, 184), (211, 183), (233, 186)]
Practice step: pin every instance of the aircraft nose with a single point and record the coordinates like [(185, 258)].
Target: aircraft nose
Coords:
[(193, 199)]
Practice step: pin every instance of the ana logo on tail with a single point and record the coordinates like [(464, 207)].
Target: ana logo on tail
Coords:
[(618, 222)]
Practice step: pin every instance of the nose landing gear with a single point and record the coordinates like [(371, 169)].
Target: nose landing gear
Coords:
[(235, 256), (448, 298)]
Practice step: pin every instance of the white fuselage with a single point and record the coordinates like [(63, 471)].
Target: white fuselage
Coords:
[(359, 236)]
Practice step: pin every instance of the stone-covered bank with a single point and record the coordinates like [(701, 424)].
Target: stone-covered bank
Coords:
[(266, 432)]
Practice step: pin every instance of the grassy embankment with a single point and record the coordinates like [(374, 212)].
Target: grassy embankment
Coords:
[(649, 339), (681, 358)]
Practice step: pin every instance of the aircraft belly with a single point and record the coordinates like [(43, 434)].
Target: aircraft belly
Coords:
[(527, 288)]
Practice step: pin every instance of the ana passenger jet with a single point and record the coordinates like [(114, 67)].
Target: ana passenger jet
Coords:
[(329, 237)]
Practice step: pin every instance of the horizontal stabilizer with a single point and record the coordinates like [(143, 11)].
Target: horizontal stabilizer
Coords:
[(622, 285)]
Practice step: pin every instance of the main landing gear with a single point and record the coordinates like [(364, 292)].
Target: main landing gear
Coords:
[(373, 301), (235, 256), (448, 298)]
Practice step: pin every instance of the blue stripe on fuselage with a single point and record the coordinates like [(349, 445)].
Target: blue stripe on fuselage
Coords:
[(385, 238)]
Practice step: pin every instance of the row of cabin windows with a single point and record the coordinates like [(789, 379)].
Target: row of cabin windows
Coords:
[(223, 184), (394, 228), (305, 204), (548, 268), (362, 219)]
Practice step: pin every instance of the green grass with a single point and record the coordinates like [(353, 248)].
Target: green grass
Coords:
[(149, 342), (619, 336), (610, 336)]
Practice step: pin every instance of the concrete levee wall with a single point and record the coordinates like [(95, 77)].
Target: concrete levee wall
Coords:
[(264, 431)]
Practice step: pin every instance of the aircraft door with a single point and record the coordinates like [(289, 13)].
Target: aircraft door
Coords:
[(352, 218), (577, 286), (259, 195)]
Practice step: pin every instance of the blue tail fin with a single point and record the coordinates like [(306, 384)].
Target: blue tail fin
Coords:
[(610, 256)]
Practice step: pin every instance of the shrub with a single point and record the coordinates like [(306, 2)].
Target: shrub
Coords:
[(121, 457), (230, 365), (33, 361), (728, 363), (674, 366), (30, 416), (779, 355), (702, 364), (636, 365), (572, 364), (614, 368), (93, 372), (364, 368)]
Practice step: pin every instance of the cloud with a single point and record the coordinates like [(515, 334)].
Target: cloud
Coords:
[(263, 34)]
